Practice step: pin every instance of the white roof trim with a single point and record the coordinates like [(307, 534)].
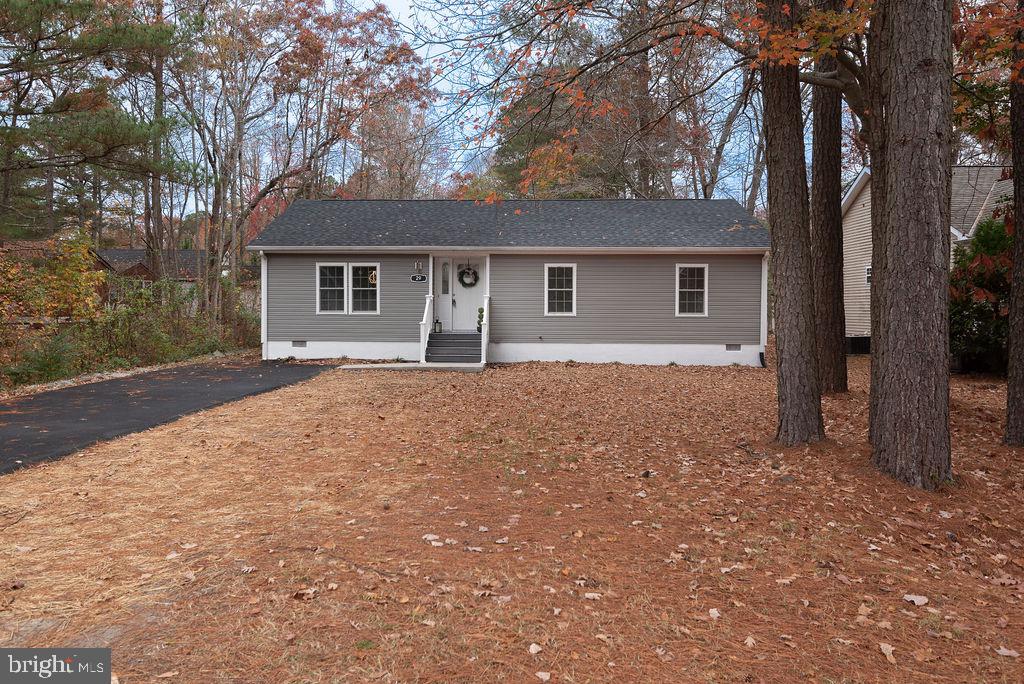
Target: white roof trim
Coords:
[(958, 235), (854, 192), (479, 249)]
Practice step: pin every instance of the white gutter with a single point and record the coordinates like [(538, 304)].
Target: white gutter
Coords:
[(423, 249)]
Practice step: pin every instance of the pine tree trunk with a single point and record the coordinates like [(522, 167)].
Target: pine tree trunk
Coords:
[(910, 334), (827, 230), (877, 76), (155, 249), (1015, 383), (798, 390)]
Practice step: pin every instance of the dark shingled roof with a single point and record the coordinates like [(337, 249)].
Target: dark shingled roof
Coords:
[(183, 259), (514, 223)]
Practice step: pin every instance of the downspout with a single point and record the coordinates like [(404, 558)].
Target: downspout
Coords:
[(764, 310), (263, 303)]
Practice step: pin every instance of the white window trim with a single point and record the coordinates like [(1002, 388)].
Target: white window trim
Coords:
[(344, 301), (545, 303), (355, 264), (675, 286)]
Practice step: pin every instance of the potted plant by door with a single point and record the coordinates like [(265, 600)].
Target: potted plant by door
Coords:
[(480, 319)]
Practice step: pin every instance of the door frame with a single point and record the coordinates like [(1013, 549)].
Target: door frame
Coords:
[(435, 275), (438, 305)]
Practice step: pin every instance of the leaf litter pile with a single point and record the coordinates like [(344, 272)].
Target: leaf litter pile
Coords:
[(536, 522)]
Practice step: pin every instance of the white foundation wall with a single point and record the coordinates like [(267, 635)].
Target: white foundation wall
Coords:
[(407, 351), (648, 354)]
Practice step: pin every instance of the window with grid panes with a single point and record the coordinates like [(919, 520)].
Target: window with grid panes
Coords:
[(691, 283), (331, 285), (365, 288), (560, 289)]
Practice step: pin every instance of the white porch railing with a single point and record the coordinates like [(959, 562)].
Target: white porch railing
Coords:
[(425, 325), (485, 329)]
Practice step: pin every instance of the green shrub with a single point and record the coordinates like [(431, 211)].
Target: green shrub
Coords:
[(979, 300), (141, 324), (51, 358)]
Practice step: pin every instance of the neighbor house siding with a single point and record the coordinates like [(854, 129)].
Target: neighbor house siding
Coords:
[(292, 297), (856, 258), (627, 299)]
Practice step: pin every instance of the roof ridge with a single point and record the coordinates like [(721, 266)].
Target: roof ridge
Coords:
[(524, 199)]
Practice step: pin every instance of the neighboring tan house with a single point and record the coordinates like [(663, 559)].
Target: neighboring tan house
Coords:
[(976, 193), (636, 281)]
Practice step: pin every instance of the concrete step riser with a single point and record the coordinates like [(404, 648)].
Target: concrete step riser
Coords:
[(454, 343)]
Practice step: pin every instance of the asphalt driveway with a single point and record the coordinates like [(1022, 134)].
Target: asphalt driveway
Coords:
[(49, 425)]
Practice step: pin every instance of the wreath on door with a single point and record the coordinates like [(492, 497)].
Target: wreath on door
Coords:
[(468, 276)]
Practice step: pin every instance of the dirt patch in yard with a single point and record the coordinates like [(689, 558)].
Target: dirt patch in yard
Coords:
[(592, 522)]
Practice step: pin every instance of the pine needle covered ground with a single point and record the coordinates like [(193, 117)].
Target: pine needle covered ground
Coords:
[(538, 521)]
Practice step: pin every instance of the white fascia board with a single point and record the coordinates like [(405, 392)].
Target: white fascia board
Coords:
[(854, 192), (508, 250)]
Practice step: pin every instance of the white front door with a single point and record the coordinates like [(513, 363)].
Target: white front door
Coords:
[(443, 279), (468, 288), (459, 284)]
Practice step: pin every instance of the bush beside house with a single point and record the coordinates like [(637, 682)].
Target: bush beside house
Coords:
[(60, 317), (980, 300)]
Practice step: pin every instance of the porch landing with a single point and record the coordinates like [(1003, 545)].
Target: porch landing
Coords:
[(413, 366)]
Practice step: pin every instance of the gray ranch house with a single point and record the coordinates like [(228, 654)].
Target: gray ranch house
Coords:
[(635, 281)]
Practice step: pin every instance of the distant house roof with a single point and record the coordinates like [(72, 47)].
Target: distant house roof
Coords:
[(977, 191), (183, 261), (27, 250), (321, 225)]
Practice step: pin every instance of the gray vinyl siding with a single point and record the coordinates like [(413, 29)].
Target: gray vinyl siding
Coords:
[(292, 297), (626, 299)]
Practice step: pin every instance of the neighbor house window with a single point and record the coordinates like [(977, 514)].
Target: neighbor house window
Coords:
[(867, 275), (365, 288), (330, 287), (559, 289), (691, 289)]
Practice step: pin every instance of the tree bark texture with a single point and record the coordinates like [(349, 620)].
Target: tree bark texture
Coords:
[(910, 334), (1015, 384), (827, 230), (798, 390), (876, 78), (155, 247)]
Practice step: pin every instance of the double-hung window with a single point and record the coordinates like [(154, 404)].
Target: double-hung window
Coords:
[(559, 289), (330, 288), (365, 288), (347, 288), (691, 289)]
